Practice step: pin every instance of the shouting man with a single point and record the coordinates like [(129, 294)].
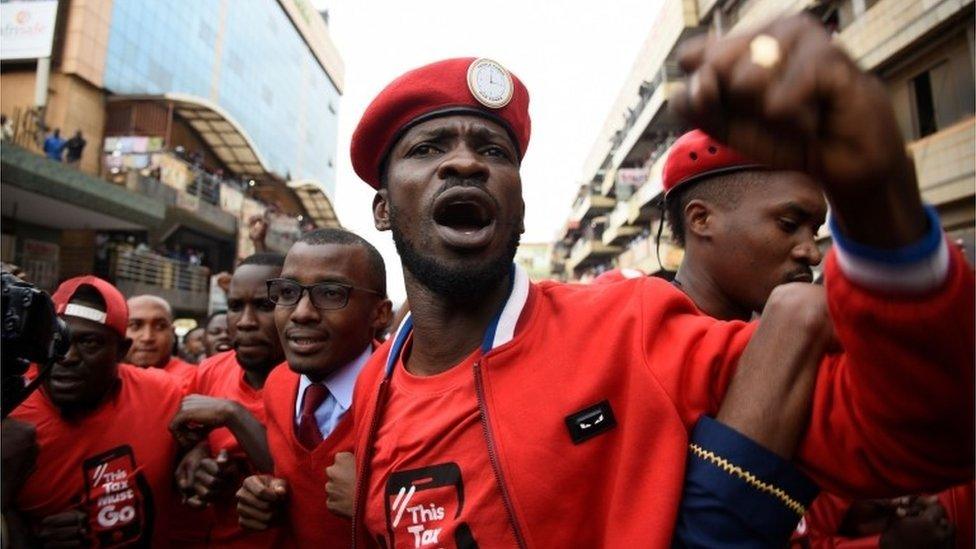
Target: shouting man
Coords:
[(495, 390)]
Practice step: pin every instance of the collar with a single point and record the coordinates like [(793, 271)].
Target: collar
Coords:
[(500, 330), (340, 383)]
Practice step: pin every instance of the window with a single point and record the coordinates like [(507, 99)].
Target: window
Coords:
[(924, 105)]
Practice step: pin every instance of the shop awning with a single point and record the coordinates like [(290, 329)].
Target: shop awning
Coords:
[(222, 134), (315, 202)]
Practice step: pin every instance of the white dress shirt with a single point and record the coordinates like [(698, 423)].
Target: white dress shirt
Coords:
[(340, 385)]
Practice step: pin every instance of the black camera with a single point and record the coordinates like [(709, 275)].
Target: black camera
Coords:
[(32, 333)]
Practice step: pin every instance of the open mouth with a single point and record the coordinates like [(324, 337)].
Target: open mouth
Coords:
[(462, 216), (465, 217)]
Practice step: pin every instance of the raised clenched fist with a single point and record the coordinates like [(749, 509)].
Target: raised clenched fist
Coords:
[(786, 96)]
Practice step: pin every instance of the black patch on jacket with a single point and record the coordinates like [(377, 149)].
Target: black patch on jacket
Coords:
[(590, 422)]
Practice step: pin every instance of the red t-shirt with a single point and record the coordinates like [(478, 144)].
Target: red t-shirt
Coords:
[(184, 371), (428, 479), (221, 376), (115, 463)]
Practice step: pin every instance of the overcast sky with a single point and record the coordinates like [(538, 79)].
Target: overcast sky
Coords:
[(573, 56)]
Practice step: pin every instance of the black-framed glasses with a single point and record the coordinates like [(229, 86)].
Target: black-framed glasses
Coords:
[(324, 295)]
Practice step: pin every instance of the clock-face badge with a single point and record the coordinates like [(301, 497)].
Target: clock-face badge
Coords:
[(490, 83)]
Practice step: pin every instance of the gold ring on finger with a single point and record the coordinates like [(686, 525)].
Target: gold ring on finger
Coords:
[(764, 51)]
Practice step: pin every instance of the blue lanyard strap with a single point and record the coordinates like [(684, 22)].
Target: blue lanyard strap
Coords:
[(486, 343)]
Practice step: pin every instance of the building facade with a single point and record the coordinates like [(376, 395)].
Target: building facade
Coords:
[(198, 117), (923, 51)]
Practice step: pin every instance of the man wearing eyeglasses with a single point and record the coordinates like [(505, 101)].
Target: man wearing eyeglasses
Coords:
[(330, 300)]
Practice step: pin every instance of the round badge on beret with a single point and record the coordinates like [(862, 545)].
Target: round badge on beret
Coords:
[(490, 83)]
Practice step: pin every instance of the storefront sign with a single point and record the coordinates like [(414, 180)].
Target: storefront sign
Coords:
[(27, 29)]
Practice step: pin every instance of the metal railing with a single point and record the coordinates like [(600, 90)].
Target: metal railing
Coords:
[(155, 270), (206, 187)]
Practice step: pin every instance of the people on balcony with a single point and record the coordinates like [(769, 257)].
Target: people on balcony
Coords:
[(54, 145), (74, 147)]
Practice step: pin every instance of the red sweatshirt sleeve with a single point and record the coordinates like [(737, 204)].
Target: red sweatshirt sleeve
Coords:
[(891, 415)]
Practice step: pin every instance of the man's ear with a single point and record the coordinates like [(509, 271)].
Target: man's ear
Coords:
[(381, 211), (382, 315), (124, 345), (522, 218), (699, 218)]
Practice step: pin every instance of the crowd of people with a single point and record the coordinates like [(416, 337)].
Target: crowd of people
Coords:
[(735, 404)]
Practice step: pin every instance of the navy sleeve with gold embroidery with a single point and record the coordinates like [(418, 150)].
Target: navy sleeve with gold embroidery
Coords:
[(737, 493)]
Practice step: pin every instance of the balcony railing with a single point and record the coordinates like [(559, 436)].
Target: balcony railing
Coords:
[(587, 250), (590, 205), (891, 25), (945, 162), (184, 286)]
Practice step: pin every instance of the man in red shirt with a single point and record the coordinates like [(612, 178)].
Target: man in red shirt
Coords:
[(151, 330), (746, 230), (331, 299), (215, 338), (506, 412), (104, 472), (193, 350), (227, 395)]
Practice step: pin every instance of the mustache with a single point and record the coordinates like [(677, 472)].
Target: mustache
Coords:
[(800, 272), (452, 182)]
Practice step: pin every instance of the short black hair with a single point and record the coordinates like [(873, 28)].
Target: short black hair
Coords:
[(210, 318), (342, 237), (269, 259), (726, 189)]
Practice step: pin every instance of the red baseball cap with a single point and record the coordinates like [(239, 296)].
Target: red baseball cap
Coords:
[(116, 313), (464, 85), (696, 155)]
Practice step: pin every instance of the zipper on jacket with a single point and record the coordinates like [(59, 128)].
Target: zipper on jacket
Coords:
[(362, 476), (493, 457)]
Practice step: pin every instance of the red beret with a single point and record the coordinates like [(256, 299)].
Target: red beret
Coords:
[(116, 314), (695, 155), (464, 85)]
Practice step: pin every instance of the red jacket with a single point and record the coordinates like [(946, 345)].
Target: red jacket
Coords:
[(891, 416), (308, 519)]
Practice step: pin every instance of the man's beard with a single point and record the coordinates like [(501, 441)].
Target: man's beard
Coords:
[(456, 284)]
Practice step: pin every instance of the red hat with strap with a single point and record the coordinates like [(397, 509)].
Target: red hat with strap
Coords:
[(464, 85), (116, 313), (696, 155)]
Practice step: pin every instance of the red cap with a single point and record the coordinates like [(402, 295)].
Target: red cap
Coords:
[(116, 314), (696, 155), (463, 85), (616, 275)]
